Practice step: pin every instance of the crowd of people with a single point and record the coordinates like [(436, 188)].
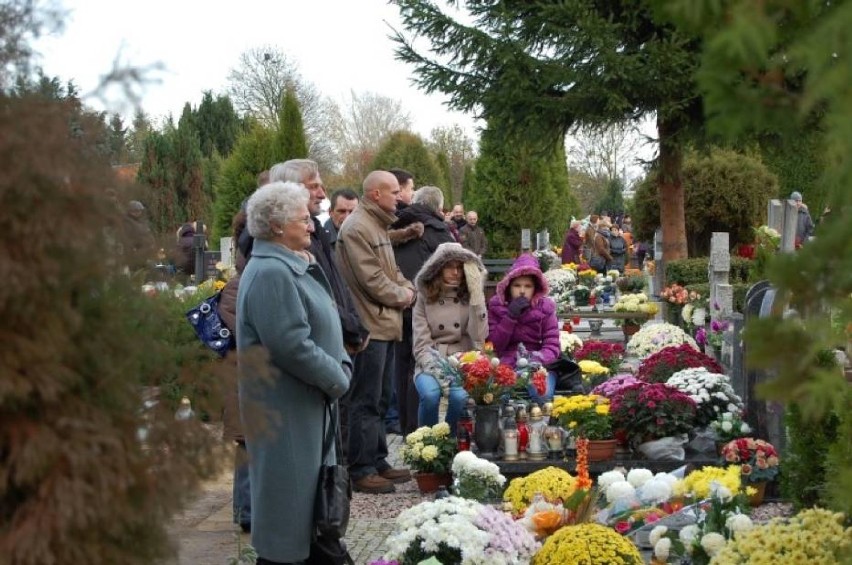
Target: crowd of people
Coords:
[(348, 315), (604, 243)]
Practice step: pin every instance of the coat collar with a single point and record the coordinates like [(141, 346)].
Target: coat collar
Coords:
[(371, 208), (264, 248)]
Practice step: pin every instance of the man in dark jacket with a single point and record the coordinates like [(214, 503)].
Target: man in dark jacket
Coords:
[(426, 209), (306, 172), (472, 236)]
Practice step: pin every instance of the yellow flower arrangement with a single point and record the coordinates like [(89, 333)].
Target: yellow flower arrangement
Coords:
[(814, 536), (552, 483), (592, 368), (587, 414), (697, 484), (570, 266), (587, 544)]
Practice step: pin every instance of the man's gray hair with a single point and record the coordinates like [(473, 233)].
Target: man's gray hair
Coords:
[(294, 170), (275, 203), (430, 196)]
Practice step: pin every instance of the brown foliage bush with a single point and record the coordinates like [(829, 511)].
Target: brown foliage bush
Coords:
[(76, 483)]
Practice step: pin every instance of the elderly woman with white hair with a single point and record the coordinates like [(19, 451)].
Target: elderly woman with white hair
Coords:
[(292, 361)]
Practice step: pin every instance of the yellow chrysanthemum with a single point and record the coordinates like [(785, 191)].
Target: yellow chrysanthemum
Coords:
[(587, 544), (551, 482)]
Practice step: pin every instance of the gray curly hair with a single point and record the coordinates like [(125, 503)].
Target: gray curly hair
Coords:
[(274, 204)]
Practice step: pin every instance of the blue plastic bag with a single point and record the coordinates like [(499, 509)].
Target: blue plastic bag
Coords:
[(209, 327)]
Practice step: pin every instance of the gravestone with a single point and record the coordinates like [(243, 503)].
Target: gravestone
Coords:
[(210, 260), (788, 230), (659, 279), (775, 215), (718, 271), (526, 240), (542, 240), (767, 417), (732, 354), (226, 247)]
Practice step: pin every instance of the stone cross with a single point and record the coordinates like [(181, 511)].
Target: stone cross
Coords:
[(721, 293), (542, 240), (226, 246), (732, 355)]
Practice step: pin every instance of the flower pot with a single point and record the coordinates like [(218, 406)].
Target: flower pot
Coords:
[(757, 498), (602, 449), (431, 482), (486, 430), (630, 329)]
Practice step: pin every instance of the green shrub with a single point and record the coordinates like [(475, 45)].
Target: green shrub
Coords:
[(839, 460), (740, 290), (723, 191), (803, 468)]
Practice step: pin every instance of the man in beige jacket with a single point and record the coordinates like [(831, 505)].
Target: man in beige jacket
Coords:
[(366, 260)]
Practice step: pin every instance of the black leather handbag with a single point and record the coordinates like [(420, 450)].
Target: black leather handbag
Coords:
[(331, 506), (568, 376)]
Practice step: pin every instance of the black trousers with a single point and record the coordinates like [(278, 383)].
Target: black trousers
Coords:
[(406, 393)]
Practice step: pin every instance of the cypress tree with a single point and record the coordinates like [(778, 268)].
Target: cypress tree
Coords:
[(407, 151), (291, 140), (254, 151), (515, 187)]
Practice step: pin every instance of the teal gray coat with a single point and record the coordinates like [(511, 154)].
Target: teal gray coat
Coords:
[(291, 355)]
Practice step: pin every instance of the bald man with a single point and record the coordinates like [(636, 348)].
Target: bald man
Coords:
[(366, 260)]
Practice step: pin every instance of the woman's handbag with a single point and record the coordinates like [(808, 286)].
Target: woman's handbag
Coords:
[(208, 325), (331, 506)]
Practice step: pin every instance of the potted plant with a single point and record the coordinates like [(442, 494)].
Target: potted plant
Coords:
[(588, 417), (758, 461), (455, 530), (651, 412), (593, 373), (582, 295), (712, 393), (655, 337), (634, 303), (592, 544), (660, 366), (476, 478), (729, 426), (610, 355), (429, 452)]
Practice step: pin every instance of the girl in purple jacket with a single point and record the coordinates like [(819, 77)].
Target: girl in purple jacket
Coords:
[(521, 312)]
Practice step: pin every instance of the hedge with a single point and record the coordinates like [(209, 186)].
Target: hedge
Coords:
[(694, 271)]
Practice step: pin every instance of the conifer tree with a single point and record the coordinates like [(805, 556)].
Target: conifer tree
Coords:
[(405, 150), (516, 187), (254, 151), (291, 133)]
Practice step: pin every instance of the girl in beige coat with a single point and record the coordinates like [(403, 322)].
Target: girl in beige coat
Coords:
[(450, 316)]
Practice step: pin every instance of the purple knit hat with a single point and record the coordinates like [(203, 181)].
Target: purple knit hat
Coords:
[(526, 264)]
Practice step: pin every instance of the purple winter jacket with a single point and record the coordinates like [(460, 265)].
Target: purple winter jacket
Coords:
[(537, 328)]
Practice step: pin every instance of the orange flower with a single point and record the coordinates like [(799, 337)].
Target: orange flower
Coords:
[(547, 522), (583, 480)]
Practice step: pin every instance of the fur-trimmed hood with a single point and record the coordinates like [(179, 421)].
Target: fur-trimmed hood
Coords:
[(526, 264), (445, 253)]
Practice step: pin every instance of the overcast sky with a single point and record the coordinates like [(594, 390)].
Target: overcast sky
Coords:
[(339, 45)]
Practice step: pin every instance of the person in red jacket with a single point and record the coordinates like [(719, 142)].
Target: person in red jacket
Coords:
[(572, 248)]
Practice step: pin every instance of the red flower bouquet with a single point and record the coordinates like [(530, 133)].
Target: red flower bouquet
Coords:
[(610, 355), (757, 458), (652, 411), (658, 367), (480, 374)]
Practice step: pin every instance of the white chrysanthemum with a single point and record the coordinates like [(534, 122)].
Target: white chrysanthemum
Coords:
[(638, 477), (727, 416), (721, 492), (727, 426), (688, 534), (713, 543), (739, 523), (657, 534), (619, 491), (609, 477), (462, 460), (662, 549), (655, 491), (415, 437), (667, 478), (745, 428)]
